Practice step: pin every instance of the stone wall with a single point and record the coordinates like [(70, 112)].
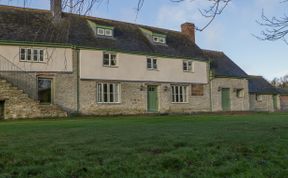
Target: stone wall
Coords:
[(265, 105), (134, 99), (18, 104), (237, 103)]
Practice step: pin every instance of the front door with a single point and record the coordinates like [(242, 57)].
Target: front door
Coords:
[(226, 105), (45, 90), (2, 109), (152, 98), (275, 102)]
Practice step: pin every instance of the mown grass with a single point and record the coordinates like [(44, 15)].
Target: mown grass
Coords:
[(147, 146)]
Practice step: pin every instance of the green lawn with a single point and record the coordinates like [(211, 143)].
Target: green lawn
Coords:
[(147, 146)]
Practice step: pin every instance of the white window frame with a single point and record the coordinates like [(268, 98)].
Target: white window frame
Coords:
[(101, 31), (153, 62), (110, 54), (159, 39), (116, 93), (240, 93), (30, 57), (108, 32), (189, 66), (181, 96), (259, 97)]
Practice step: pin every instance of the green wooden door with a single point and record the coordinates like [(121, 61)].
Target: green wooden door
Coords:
[(226, 104), (275, 101), (152, 99)]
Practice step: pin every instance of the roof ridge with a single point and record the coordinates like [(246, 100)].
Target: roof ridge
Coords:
[(24, 8), (255, 76), (209, 50)]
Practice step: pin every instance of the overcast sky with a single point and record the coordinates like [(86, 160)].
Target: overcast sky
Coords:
[(230, 33)]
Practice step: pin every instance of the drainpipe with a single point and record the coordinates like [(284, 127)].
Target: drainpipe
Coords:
[(77, 63)]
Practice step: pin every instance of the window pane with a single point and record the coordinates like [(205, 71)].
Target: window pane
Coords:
[(99, 93), (154, 63), (184, 94), (108, 32), (106, 57), (149, 63), (35, 55), (181, 94), (184, 65), (22, 54), (115, 91), (111, 93), (41, 56), (173, 94), (177, 94), (105, 93), (100, 31), (113, 60), (29, 54)]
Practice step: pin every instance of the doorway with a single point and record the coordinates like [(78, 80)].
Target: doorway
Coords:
[(275, 102), (226, 104), (45, 90), (2, 105), (152, 98)]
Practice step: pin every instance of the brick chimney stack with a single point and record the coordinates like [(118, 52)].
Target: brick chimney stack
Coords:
[(188, 29), (56, 9)]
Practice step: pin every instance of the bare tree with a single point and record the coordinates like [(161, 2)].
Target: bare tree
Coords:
[(281, 82), (275, 28)]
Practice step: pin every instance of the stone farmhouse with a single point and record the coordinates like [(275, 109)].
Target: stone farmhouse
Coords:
[(53, 64)]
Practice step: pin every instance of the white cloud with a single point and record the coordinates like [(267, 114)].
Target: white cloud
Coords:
[(186, 11)]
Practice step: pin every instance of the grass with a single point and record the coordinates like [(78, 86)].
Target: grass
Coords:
[(147, 146)]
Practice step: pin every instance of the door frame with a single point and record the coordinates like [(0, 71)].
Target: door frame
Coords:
[(2, 109), (275, 102), (229, 99), (52, 88), (157, 99)]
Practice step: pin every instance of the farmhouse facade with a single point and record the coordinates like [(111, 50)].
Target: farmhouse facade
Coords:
[(54, 63)]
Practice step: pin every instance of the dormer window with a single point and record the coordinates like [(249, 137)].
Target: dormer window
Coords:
[(159, 39), (104, 31), (154, 37)]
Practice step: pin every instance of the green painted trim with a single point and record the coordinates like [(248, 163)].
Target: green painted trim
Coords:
[(145, 31), (93, 25), (38, 44), (105, 27), (159, 35)]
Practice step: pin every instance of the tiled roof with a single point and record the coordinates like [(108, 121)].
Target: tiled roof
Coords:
[(257, 84), (21, 24), (223, 66), (283, 91)]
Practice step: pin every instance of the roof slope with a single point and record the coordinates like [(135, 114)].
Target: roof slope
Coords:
[(283, 91), (21, 24), (223, 66), (257, 84)]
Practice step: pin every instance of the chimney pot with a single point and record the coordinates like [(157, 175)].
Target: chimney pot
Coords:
[(56, 9), (188, 29)]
